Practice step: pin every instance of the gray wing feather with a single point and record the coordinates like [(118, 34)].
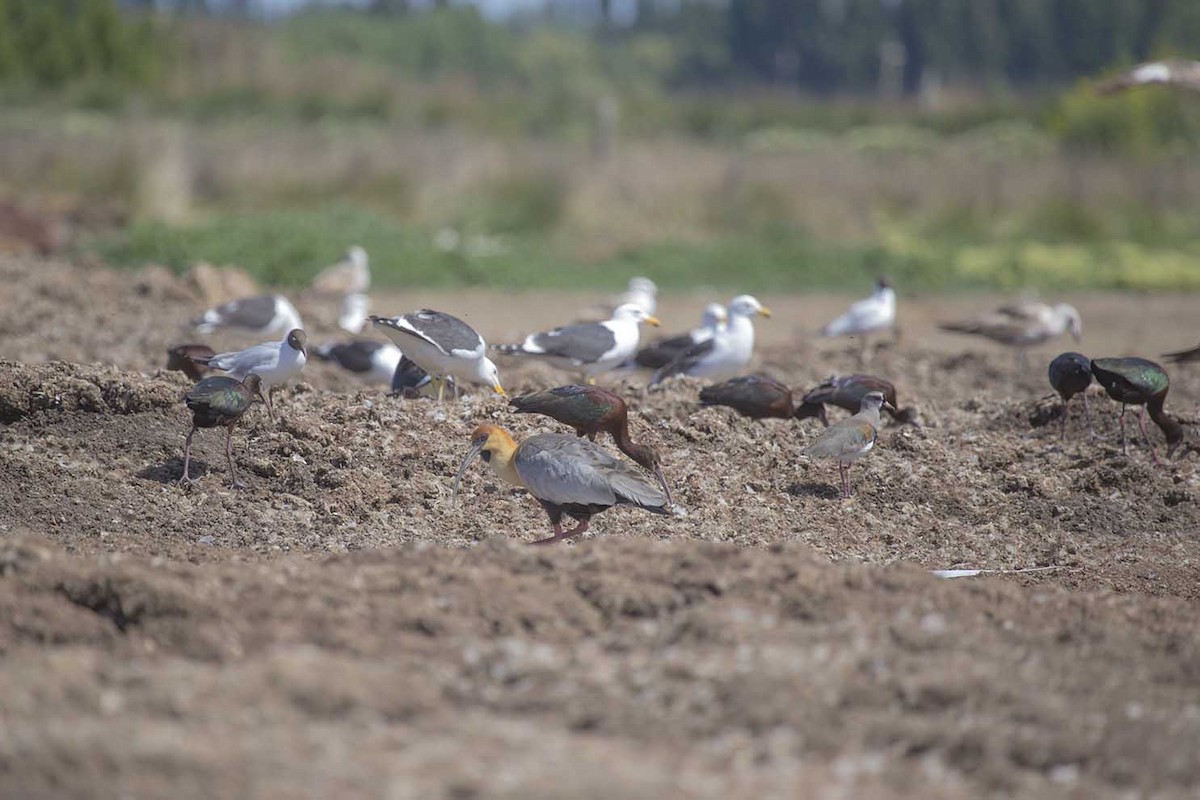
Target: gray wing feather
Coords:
[(239, 364), (586, 343), (562, 469)]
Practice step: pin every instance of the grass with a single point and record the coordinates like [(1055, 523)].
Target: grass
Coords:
[(286, 248)]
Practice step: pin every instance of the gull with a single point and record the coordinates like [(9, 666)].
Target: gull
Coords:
[(643, 293), (1177, 72), (351, 275), (273, 362), (850, 439), (264, 315), (219, 401), (566, 474), (593, 348), (872, 314), (442, 345), (727, 353), (353, 316), (376, 361), (1022, 326), (662, 352)]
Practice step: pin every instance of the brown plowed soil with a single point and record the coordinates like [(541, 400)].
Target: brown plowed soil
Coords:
[(339, 628)]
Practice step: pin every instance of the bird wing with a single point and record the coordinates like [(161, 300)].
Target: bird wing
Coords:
[(352, 356), (865, 314), (843, 439), (686, 361), (563, 469), (447, 333), (660, 353), (247, 312), (586, 343), (238, 364)]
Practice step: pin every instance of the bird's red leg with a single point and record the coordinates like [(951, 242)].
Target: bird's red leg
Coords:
[(187, 456), (1063, 432), (1121, 419), (559, 535)]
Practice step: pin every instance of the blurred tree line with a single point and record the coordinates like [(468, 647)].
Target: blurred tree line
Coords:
[(53, 42)]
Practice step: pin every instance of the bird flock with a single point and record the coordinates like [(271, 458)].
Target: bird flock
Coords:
[(436, 354)]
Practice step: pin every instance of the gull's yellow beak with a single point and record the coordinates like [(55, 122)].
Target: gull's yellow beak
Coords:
[(498, 389), (766, 312), (653, 321)]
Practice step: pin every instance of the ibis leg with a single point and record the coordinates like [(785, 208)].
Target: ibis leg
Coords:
[(236, 484), (560, 535), (1088, 414), (270, 405), (1146, 438), (187, 456), (1121, 420), (1065, 408)]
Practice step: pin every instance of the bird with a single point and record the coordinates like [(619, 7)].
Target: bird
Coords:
[(754, 396), (376, 361), (182, 357), (1177, 72), (273, 362), (727, 353), (1071, 374), (847, 391), (850, 439), (265, 315), (409, 380), (1023, 325), (442, 345), (593, 348), (351, 275), (219, 400), (354, 312), (592, 410), (872, 314), (1188, 356), (1139, 382), (566, 474), (641, 292), (662, 352)]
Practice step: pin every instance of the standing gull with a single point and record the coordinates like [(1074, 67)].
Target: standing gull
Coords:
[(1139, 382), (1071, 374), (273, 362), (643, 293), (566, 474), (727, 353), (351, 275), (1022, 326), (376, 361), (263, 315), (219, 400), (850, 439), (875, 313), (593, 348), (444, 346), (662, 352), (592, 410)]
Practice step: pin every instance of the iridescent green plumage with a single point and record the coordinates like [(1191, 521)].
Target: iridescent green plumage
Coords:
[(219, 400), (1139, 382)]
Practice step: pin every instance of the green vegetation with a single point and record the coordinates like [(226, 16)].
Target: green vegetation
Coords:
[(288, 248)]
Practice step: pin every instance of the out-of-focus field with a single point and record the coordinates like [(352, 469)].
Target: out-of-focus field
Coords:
[(340, 628)]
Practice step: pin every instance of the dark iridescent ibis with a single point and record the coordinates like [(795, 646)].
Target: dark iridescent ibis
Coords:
[(1071, 374), (592, 410), (1139, 382), (850, 439), (183, 358), (848, 391), (754, 396), (566, 474), (219, 401)]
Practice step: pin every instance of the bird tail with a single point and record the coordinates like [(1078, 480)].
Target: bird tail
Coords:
[(1183, 356)]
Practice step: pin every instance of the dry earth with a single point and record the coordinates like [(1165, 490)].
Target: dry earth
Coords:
[(340, 629)]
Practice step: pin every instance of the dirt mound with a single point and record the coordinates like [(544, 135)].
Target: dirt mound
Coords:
[(341, 624)]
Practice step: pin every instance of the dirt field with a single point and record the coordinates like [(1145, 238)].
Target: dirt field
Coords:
[(340, 629)]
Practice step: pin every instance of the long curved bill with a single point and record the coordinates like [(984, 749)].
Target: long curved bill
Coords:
[(476, 448)]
